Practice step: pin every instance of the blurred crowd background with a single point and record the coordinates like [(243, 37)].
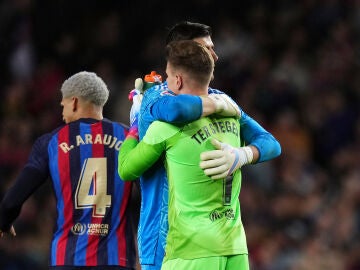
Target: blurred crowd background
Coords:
[(294, 66)]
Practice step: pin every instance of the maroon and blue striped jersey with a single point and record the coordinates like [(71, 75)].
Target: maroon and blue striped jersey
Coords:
[(93, 226)]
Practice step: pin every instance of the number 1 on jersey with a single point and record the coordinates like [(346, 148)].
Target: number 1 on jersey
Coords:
[(227, 189), (92, 187)]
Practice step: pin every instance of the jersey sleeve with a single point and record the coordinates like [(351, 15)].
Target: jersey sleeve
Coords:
[(33, 175), (179, 109), (161, 104), (137, 157), (253, 133)]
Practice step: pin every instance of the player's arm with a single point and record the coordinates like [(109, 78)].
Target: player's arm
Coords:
[(187, 108), (176, 109), (34, 174), (255, 135), (134, 157), (161, 104), (260, 146), (26, 183)]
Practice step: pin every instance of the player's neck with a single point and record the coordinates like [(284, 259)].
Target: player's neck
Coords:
[(91, 113), (197, 91)]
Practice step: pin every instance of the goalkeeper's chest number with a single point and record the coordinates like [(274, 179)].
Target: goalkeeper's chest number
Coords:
[(92, 187)]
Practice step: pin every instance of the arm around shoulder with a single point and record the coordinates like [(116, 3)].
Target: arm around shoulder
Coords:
[(255, 135), (125, 164), (136, 157), (179, 109)]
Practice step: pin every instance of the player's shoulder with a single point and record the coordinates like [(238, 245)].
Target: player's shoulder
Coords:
[(161, 124), (158, 90), (43, 140), (52, 133), (160, 131), (118, 124), (215, 91)]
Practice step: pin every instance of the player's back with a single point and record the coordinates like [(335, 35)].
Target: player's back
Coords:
[(202, 212), (93, 226)]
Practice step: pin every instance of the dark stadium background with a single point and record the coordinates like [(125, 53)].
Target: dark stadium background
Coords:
[(291, 65)]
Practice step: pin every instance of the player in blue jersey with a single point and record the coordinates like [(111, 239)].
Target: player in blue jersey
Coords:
[(160, 103), (94, 227)]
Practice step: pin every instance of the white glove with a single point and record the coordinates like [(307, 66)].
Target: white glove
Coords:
[(136, 96), (135, 108), (225, 160), (224, 105)]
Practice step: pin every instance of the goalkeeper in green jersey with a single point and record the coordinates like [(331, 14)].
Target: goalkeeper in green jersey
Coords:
[(205, 227)]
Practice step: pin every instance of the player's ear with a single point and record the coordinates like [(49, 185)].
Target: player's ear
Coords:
[(75, 103), (179, 82)]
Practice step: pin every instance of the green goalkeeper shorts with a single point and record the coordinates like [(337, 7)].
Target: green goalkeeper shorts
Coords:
[(234, 262)]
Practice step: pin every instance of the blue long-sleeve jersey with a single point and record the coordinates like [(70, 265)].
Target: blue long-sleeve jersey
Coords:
[(159, 103)]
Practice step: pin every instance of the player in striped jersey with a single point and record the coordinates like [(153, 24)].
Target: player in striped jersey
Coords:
[(93, 229)]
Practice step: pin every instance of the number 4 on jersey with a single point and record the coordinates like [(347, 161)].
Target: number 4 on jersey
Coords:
[(92, 187)]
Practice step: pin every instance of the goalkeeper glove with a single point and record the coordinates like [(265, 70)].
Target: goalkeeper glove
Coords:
[(224, 105), (136, 96), (134, 129), (226, 159), (149, 81)]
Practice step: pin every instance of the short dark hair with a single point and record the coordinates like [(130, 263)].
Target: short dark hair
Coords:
[(186, 30), (191, 57)]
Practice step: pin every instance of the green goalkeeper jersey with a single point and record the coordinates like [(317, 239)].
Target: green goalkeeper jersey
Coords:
[(204, 214)]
